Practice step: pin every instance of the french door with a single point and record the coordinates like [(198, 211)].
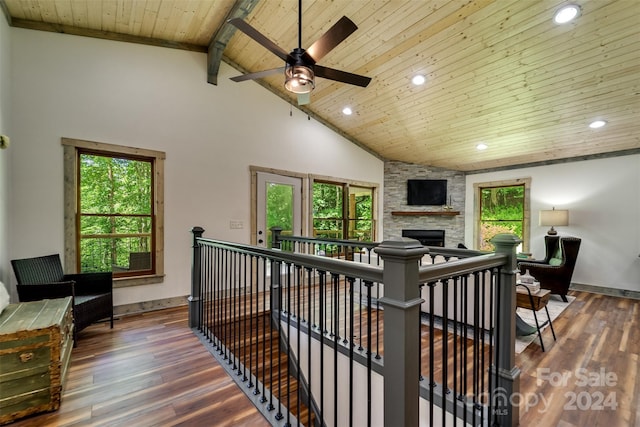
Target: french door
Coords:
[(279, 204)]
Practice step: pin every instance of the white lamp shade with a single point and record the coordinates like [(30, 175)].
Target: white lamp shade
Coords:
[(554, 217)]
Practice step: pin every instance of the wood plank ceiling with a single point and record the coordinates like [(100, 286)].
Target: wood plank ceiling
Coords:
[(499, 72)]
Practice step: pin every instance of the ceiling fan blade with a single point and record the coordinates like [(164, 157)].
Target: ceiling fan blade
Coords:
[(332, 38), (304, 98), (257, 75), (341, 76), (259, 37)]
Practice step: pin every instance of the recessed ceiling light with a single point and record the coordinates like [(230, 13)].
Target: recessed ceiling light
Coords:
[(566, 14), (482, 146), (597, 124), (418, 79), (347, 111)]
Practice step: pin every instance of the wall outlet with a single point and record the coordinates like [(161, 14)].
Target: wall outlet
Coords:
[(236, 225)]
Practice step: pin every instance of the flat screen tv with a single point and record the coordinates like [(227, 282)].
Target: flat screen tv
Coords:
[(425, 192)]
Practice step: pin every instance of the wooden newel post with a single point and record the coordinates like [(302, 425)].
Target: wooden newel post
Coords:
[(505, 396), (195, 299), (275, 237), (401, 303)]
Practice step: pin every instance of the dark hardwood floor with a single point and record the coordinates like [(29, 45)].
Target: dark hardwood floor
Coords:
[(589, 376), (151, 370)]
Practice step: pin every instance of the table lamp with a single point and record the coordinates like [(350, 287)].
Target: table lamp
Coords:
[(554, 217)]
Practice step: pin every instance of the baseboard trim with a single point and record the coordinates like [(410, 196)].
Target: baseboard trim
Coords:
[(614, 292), (141, 307)]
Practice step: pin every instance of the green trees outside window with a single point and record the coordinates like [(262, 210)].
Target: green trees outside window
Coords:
[(341, 211), (115, 213), (279, 209), (501, 211)]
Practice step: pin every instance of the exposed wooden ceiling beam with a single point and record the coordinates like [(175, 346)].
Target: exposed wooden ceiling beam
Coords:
[(219, 41), (99, 34)]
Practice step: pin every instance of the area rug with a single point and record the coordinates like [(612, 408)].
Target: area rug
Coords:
[(555, 305)]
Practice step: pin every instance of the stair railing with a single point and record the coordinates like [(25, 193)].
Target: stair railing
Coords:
[(324, 312)]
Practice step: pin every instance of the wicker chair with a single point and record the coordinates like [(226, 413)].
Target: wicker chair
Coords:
[(43, 278), (554, 272)]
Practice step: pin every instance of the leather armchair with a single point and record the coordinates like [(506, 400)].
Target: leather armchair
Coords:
[(43, 278), (554, 272)]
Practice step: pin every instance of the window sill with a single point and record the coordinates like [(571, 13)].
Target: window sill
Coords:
[(125, 282)]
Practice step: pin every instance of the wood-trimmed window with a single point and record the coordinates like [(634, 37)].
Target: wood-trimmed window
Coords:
[(343, 210), (118, 228), (517, 221)]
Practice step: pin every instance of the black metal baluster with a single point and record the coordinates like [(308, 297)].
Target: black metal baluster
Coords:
[(312, 300), (229, 318), (495, 332), (369, 351), (321, 321), (445, 346), (465, 335), (271, 407), (455, 347), (238, 322), (211, 298), (243, 323), (431, 350), (279, 415), (420, 376), (310, 292), (360, 348), (351, 281), (377, 319), (336, 339), (345, 338), (250, 349), (254, 311), (483, 328), (225, 339), (238, 306), (265, 324), (234, 318), (299, 361), (205, 265), (220, 297), (287, 343), (477, 367), (217, 297)]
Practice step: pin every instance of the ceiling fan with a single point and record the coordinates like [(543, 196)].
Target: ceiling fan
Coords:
[(301, 66)]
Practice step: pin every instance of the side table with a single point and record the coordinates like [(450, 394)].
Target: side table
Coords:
[(535, 302)]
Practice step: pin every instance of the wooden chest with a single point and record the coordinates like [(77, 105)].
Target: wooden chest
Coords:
[(36, 339)]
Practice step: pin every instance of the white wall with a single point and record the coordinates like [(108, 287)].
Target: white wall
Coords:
[(5, 104), (155, 98), (603, 199)]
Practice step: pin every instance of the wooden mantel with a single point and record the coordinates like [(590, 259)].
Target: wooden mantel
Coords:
[(425, 213)]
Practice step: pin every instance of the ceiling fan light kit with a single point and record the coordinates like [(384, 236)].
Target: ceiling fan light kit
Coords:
[(299, 79)]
